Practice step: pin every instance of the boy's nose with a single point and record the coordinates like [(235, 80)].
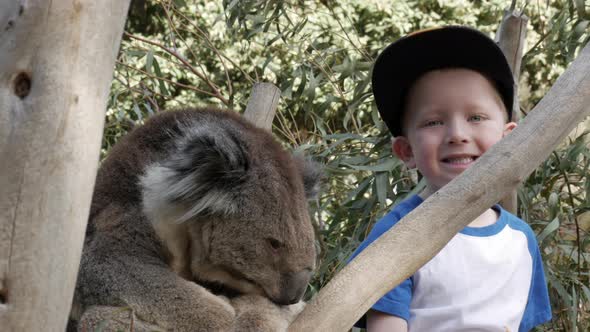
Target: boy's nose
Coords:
[(457, 133)]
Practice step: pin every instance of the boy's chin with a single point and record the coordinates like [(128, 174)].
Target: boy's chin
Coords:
[(434, 186)]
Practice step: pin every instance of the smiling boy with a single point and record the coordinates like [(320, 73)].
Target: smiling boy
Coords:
[(446, 95)]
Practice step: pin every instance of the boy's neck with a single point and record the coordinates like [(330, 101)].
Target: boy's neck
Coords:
[(424, 194), (489, 217)]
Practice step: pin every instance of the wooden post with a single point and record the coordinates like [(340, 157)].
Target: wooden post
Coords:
[(511, 37), (262, 105), (56, 64), (395, 256)]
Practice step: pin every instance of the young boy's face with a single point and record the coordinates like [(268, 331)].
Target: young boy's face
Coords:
[(452, 117)]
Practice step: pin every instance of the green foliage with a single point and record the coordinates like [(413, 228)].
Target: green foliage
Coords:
[(555, 200), (197, 52)]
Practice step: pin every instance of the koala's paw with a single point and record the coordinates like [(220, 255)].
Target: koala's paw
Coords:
[(293, 310), (257, 313), (216, 314)]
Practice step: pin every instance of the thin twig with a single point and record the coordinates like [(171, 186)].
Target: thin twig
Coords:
[(216, 93), (215, 50), (190, 87), (570, 196), (177, 35)]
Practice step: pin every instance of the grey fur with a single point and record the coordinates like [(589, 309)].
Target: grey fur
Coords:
[(198, 222)]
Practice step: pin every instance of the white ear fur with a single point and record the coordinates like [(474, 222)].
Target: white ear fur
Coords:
[(160, 185)]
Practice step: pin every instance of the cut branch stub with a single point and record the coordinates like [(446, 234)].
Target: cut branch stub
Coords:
[(511, 37), (262, 105)]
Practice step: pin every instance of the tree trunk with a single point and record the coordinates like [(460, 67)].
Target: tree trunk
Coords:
[(56, 65), (412, 242), (511, 37)]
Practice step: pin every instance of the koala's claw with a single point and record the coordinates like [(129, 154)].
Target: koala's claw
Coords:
[(257, 313)]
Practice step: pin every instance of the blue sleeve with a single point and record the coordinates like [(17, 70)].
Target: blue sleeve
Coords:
[(397, 301), (538, 308)]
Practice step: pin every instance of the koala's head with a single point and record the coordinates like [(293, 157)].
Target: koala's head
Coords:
[(230, 205)]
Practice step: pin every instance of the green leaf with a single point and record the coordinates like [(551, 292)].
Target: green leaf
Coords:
[(345, 68), (232, 5), (298, 27), (382, 184), (137, 111), (385, 166), (558, 286), (256, 19), (581, 8), (149, 61), (574, 309), (359, 90), (314, 82), (360, 189), (356, 160), (234, 13), (148, 107), (318, 46), (586, 291), (303, 82), (287, 89), (274, 39), (135, 53), (162, 84), (550, 228), (179, 4), (258, 28), (363, 65)]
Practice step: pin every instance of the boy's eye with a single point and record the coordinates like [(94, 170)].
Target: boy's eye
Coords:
[(432, 123), (476, 118)]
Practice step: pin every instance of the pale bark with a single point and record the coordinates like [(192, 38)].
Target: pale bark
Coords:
[(56, 66), (262, 105), (398, 253), (511, 37)]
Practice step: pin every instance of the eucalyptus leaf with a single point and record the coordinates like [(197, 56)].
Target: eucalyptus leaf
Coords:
[(550, 228), (382, 184), (158, 71), (384, 166), (149, 59)]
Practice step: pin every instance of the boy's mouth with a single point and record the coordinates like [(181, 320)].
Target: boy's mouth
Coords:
[(459, 160)]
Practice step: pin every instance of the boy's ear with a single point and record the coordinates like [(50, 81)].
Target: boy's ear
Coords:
[(508, 128), (403, 150)]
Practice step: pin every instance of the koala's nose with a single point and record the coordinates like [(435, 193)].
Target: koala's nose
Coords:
[(293, 286)]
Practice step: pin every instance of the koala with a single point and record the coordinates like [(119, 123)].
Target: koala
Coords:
[(198, 222)]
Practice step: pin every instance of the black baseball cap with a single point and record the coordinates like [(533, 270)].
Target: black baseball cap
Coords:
[(402, 62)]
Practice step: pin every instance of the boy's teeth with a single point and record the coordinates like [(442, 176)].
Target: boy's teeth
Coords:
[(462, 160)]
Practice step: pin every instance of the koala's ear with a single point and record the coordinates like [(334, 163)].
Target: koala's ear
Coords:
[(311, 173), (199, 179)]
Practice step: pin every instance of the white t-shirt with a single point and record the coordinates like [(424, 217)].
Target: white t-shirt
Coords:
[(485, 279)]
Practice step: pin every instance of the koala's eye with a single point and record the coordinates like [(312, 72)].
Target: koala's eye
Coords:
[(274, 243)]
